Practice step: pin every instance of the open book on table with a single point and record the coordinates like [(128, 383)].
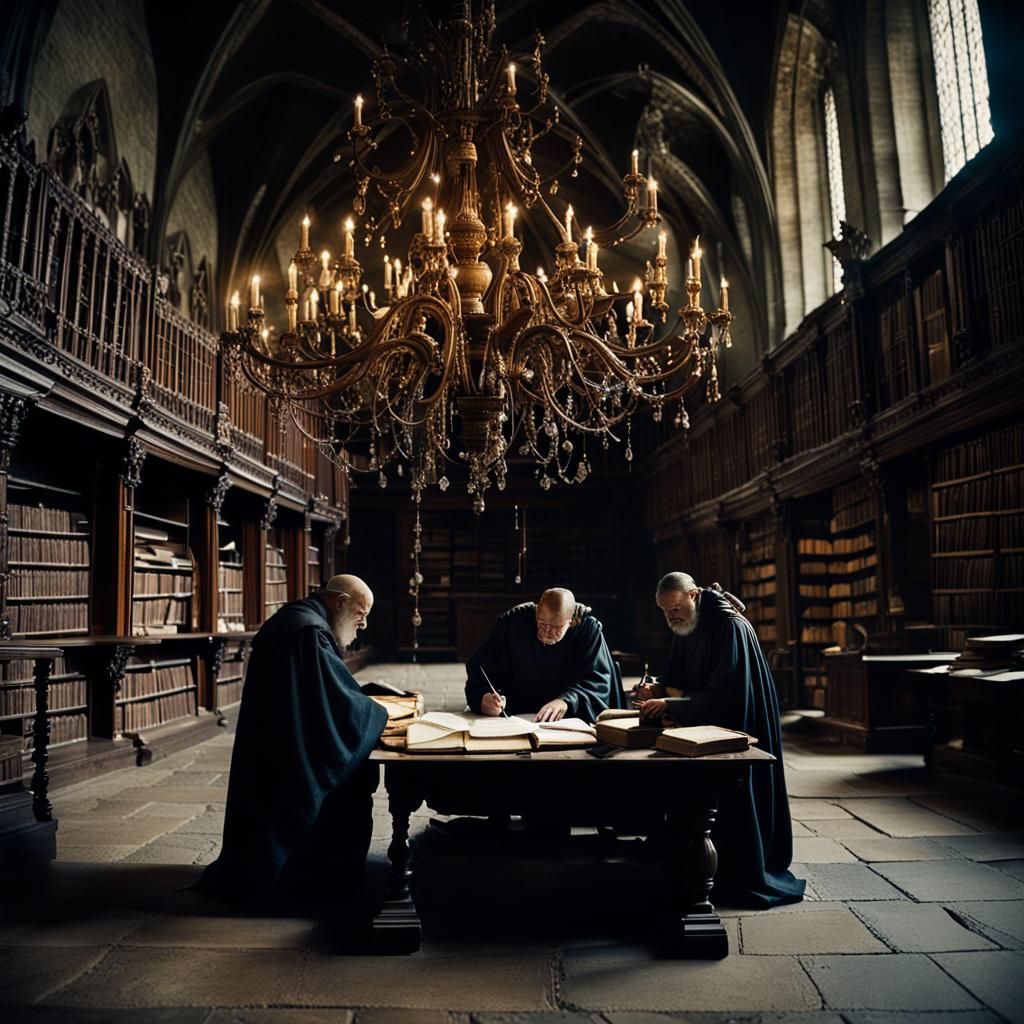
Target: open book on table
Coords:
[(442, 732)]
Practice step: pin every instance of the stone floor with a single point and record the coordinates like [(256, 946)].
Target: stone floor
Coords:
[(915, 911)]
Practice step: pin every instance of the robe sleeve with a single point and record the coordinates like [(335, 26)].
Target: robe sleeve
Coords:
[(493, 657), (595, 682), (723, 697)]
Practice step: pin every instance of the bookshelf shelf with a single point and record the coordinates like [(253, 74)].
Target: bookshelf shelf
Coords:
[(977, 508)]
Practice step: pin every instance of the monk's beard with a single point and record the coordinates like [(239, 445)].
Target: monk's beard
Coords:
[(686, 628), (343, 626)]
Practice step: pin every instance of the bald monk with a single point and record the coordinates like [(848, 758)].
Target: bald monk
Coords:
[(550, 658), (298, 820)]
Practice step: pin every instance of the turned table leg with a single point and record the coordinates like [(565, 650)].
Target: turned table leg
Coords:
[(396, 928), (690, 867)]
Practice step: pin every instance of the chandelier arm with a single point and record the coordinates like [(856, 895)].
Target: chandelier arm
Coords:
[(611, 236)]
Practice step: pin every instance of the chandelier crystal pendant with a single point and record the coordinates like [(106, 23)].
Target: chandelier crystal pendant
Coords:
[(470, 359)]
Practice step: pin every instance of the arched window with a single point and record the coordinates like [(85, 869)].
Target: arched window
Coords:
[(961, 79), (834, 171)]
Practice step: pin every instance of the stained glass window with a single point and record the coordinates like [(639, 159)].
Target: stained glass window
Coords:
[(961, 79)]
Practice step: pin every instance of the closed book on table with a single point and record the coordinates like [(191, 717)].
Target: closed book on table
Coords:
[(627, 732), (696, 740)]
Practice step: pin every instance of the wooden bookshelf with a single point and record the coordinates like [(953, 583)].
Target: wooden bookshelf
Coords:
[(49, 559), (162, 576), (758, 575), (977, 513), (853, 569), (67, 703), (276, 586), (230, 581), (154, 693), (231, 677)]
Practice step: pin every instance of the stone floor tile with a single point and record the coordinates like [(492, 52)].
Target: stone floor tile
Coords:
[(801, 831), (884, 848), (918, 927), (211, 824), (68, 852), (157, 809), (404, 1015), (1006, 846), (1001, 811), (843, 828), (29, 973), (179, 794), (1002, 921), (630, 980), (996, 978), (931, 1017), (846, 882), (944, 880), (818, 784), (482, 982), (836, 931), (177, 849), (78, 1015), (86, 929), (821, 851), (805, 906), (540, 1017), (138, 977), (1013, 868), (134, 831), (898, 816), (190, 776), (651, 1017), (896, 981), (815, 810), (281, 1015), (200, 932), (86, 811)]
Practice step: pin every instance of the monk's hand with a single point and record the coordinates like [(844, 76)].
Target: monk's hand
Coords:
[(552, 711), (653, 709), (645, 691), (492, 704)]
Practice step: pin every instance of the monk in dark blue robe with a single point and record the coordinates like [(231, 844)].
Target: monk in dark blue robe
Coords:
[(300, 797), (548, 658), (717, 664)]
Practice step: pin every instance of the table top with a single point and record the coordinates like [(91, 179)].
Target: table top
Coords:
[(752, 755)]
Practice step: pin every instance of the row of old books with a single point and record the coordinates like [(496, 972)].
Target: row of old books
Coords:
[(64, 728), (757, 563), (172, 584), (10, 759), (957, 499), (45, 549), (855, 609), (155, 678), (149, 713), (21, 700), (22, 670), (63, 583), (851, 513), (835, 545), (964, 573), (276, 593), (42, 518), (854, 588), (997, 450), (49, 617)]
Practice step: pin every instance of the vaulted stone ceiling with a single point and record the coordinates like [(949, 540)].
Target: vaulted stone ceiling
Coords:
[(266, 88)]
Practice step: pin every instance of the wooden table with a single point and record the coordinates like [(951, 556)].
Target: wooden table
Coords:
[(677, 795)]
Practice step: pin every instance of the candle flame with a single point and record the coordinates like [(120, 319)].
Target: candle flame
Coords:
[(236, 300), (359, 101), (349, 224), (696, 253), (256, 280), (428, 204), (305, 221), (589, 236), (725, 284), (638, 285), (436, 178)]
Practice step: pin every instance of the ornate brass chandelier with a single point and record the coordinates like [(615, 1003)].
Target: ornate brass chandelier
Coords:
[(471, 359)]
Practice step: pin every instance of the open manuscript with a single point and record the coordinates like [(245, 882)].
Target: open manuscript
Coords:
[(441, 732)]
